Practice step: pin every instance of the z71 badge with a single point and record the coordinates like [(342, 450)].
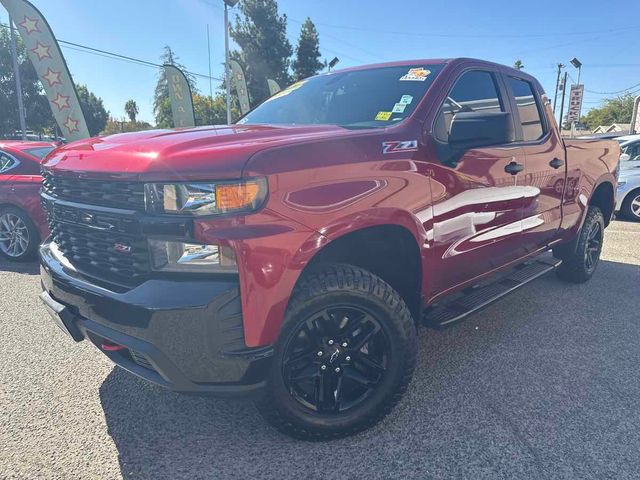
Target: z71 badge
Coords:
[(399, 147)]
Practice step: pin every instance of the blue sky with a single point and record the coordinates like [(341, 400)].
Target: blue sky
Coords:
[(605, 36)]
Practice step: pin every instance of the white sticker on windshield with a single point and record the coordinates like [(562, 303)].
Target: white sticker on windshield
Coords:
[(406, 100), (399, 108), (416, 75)]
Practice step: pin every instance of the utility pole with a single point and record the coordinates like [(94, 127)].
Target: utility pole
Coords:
[(16, 70), (227, 79), (209, 57), (555, 96), (564, 89)]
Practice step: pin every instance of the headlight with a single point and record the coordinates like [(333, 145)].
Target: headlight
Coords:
[(239, 196), (168, 256)]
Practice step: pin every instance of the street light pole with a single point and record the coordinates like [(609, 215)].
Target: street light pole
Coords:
[(227, 79), (14, 57)]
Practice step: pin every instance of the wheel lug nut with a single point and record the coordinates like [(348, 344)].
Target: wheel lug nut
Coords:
[(323, 367), (344, 344), (330, 342), (320, 353), (337, 369), (348, 359)]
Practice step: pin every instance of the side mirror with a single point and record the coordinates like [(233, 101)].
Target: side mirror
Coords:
[(480, 129), (625, 157)]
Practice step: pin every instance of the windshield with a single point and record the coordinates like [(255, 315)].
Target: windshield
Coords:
[(371, 98)]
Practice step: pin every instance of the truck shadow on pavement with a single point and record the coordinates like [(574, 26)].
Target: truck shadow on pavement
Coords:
[(31, 267), (542, 384)]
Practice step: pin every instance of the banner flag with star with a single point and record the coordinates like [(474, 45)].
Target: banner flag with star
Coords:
[(240, 84), (46, 56), (273, 86), (180, 95)]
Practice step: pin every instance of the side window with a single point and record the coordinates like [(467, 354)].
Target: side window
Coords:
[(528, 109), (7, 162), (474, 91)]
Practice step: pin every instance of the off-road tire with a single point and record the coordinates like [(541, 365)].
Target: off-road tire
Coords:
[(325, 286), (574, 267)]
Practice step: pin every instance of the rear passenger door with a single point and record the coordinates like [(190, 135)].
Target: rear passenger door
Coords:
[(545, 170)]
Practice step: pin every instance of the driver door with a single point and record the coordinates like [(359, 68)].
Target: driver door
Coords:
[(478, 202)]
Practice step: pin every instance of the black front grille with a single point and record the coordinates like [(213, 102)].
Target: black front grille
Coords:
[(129, 195), (99, 243)]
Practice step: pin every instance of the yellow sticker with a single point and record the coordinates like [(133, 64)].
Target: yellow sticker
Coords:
[(383, 116)]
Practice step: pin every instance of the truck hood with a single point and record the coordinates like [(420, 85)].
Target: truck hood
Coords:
[(202, 153)]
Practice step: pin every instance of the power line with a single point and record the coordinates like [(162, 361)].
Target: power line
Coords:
[(480, 35), (118, 56), (626, 90)]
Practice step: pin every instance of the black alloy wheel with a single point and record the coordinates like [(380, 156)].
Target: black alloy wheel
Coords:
[(335, 359)]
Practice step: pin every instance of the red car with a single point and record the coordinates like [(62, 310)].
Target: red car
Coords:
[(22, 221), (292, 255)]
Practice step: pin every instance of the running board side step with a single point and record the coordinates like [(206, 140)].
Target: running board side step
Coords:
[(462, 305)]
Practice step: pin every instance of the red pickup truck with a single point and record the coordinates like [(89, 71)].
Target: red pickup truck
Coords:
[(291, 256)]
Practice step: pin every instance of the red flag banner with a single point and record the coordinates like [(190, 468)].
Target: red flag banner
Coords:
[(44, 52)]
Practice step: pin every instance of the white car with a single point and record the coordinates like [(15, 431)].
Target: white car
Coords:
[(630, 148), (628, 194)]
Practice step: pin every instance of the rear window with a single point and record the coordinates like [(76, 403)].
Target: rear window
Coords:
[(372, 98), (528, 109), (39, 152)]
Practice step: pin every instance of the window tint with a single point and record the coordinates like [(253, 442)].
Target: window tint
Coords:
[(7, 162), (474, 91), (528, 109)]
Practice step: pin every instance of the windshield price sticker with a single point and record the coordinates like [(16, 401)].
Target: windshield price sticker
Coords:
[(383, 116), (399, 108), (416, 75)]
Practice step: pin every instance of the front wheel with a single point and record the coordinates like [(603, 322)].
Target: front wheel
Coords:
[(345, 356), (18, 235), (631, 206), (579, 265)]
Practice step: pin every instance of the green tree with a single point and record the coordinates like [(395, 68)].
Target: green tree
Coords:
[(307, 62), (161, 102), (93, 109), (518, 65), (38, 113), (613, 110), (131, 109), (261, 33), (120, 126)]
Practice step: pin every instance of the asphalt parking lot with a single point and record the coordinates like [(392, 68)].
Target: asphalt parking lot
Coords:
[(543, 384)]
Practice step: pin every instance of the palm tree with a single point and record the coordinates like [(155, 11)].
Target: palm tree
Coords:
[(131, 107)]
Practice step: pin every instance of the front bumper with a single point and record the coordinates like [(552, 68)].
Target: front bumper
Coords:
[(183, 333)]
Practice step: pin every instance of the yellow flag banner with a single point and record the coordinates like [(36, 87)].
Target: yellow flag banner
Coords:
[(273, 86), (240, 84), (44, 52), (180, 95)]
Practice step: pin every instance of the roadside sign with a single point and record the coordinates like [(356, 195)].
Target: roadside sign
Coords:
[(575, 103)]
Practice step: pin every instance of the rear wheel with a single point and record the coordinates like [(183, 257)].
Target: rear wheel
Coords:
[(345, 356), (18, 235), (631, 206), (579, 265)]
